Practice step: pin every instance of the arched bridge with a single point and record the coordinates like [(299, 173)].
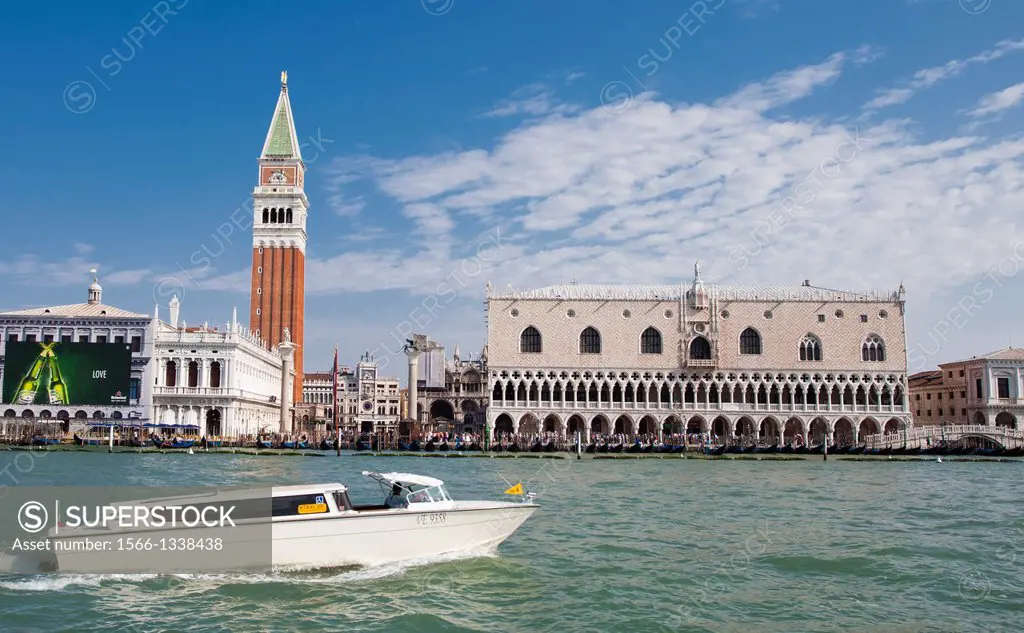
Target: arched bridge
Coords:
[(927, 436)]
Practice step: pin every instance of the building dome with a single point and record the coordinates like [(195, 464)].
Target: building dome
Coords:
[(95, 289)]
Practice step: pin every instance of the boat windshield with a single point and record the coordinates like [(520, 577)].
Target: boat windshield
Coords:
[(416, 493)]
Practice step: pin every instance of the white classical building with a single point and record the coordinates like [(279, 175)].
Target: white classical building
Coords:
[(985, 390), (227, 383), (761, 361), (89, 322), (367, 402)]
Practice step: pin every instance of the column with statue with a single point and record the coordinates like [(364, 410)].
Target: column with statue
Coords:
[(287, 351)]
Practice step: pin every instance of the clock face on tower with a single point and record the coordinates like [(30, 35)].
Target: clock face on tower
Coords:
[(367, 374), (367, 405)]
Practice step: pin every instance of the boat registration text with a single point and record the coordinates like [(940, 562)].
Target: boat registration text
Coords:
[(432, 519)]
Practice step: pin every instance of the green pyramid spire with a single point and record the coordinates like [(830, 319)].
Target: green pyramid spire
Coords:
[(281, 138)]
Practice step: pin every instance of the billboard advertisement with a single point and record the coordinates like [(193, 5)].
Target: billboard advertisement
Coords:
[(67, 373)]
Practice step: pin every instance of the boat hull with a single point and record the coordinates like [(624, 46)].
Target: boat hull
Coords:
[(349, 539)]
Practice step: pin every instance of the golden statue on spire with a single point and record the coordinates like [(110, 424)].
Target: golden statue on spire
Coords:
[(284, 77)]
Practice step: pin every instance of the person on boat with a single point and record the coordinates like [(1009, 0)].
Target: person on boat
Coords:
[(395, 499)]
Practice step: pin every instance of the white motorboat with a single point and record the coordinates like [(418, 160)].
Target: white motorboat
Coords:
[(305, 526)]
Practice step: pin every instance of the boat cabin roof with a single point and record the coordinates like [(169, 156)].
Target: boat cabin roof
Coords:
[(306, 489), (404, 478)]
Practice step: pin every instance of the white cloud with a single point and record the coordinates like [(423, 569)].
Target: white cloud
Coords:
[(637, 196), (999, 101), (126, 277), (533, 100), (345, 207), (574, 76), (786, 86), (928, 77), (83, 249)]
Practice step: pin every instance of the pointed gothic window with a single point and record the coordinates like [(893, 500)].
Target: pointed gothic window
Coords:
[(288, 216), (590, 341), (700, 349), (750, 341), (529, 341), (810, 348), (266, 215), (650, 341), (873, 349)]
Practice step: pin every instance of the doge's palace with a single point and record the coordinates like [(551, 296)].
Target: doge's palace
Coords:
[(769, 362)]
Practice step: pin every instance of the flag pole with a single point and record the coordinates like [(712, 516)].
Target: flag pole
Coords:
[(334, 400)]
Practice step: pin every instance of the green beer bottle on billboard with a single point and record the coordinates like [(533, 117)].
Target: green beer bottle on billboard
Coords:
[(30, 381), (58, 390)]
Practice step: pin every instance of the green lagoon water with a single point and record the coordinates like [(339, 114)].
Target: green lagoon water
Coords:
[(624, 545)]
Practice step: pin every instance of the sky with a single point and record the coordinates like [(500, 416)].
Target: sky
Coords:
[(858, 144)]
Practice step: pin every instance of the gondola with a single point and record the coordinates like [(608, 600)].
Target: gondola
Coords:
[(264, 444), (328, 444), (718, 450), (733, 448), (550, 447), (82, 441), (295, 445), (616, 448), (159, 443), (414, 445), (1014, 452), (362, 446), (635, 447), (536, 447), (211, 443), (475, 446), (647, 448), (430, 446), (135, 442), (602, 447), (678, 448), (591, 448), (774, 448), (45, 441), (443, 446), (750, 448)]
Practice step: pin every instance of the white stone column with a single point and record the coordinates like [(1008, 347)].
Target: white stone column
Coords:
[(287, 355), (413, 356)]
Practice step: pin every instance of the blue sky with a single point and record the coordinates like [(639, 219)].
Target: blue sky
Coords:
[(602, 141)]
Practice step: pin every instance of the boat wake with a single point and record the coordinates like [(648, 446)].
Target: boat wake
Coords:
[(17, 574)]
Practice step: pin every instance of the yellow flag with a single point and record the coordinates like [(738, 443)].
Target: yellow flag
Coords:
[(515, 490)]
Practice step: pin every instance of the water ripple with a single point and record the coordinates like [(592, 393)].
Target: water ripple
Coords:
[(639, 545)]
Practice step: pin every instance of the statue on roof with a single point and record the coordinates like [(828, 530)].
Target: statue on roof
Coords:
[(287, 335), (284, 77)]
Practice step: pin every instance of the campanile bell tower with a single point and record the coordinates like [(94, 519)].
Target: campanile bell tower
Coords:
[(277, 300)]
